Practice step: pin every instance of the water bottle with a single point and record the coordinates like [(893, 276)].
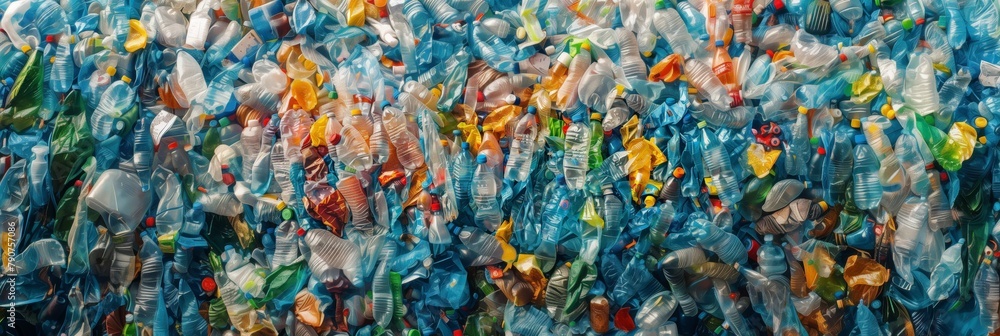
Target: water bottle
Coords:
[(484, 196), (38, 175), (522, 146), (149, 285), (771, 258), (718, 166), (114, 102), (919, 85), (729, 248), (866, 188), (575, 160), (909, 238), (406, 144)]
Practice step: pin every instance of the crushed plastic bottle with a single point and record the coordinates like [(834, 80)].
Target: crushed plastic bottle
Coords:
[(467, 167)]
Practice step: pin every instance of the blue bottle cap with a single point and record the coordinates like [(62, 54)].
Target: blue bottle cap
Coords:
[(839, 294), (860, 139), (456, 133), (481, 158), (213, 123), (718, 43), (876, 304), (197, 206), (516, 69), (532, 110), (465, 145), (248, 296)]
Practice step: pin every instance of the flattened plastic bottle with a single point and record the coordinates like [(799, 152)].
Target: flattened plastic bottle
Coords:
[(943, 280), (328, 255), (866, 188), (718, 166), (522, 146), (575, 159), (146, 297), (484, 196), (911, 223)]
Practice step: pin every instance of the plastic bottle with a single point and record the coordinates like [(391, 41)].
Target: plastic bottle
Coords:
[(522, 146), (575, 160), (718, 166), (484, 196)]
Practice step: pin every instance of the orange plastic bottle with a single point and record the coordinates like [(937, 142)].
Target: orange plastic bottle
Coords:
[(722, 65)]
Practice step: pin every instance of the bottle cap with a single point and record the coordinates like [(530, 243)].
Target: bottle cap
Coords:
[(907, 23), (465, 145), (172, 145), (213, 123), (856, 123), (78, 183), (286, 213), (300, 232), (980, 122), (150, 222), (595, 116), (803, 110), (860, 139), (224, 122), (111, 71), (335, 139), (481, 158), (356, 112), (208, 284), (532, 110), (435, 205), (197, 206), (719, 43), (702, 124)]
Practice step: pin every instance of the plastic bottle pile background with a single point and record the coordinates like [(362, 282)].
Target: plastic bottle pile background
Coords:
[(480, 167)]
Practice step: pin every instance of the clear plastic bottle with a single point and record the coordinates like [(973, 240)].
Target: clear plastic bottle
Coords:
[(149, 285), (919, 86), (114, 102), (867, 190), (908, 242), (987, 291), (909, 157), (484, 196), (575, 160), (718, 166), (771, 258), (703, 78), (407, 145), (522, 146), (671, 27), (683, 258), (726, 245)]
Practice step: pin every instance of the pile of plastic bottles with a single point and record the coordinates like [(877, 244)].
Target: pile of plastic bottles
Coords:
[(481, 167)]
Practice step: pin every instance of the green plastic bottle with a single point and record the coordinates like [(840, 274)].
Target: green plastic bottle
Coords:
[(211, 141), (596, 156)]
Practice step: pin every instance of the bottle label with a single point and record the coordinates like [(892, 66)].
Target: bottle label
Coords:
[(723, 68), (742, 7)]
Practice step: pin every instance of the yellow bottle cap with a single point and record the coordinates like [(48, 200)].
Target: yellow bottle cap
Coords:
[(126, 79), (980, 122), (52, 59), (356, 112), (678, 172), (112, 71), (888, 112), (595, 116), (803, 110), (982, 140), (856, 123), (25, 48)]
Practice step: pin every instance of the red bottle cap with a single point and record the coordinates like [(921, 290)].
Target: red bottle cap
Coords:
[(821, 151), (78, 183), (150, 222), (480, 97), (208, 285), (172, 145), (335, 139), (301, 232)]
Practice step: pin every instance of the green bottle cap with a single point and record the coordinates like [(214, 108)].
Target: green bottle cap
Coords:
[(907, 23)]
